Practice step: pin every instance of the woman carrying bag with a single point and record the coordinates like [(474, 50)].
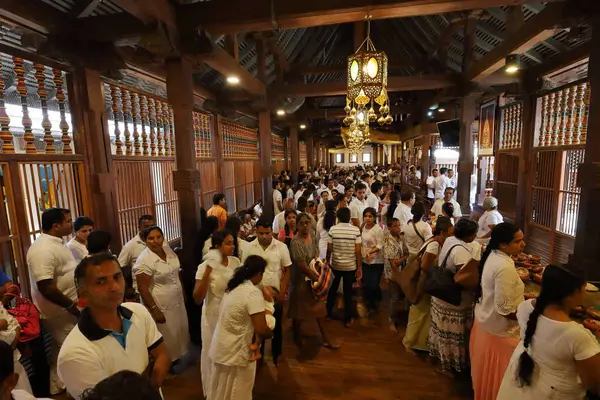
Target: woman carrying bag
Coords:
[(412, 279)]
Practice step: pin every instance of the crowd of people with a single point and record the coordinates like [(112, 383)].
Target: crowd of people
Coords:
[(336, 235)]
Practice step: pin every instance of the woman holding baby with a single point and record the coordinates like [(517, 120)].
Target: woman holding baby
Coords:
[(302, 303)]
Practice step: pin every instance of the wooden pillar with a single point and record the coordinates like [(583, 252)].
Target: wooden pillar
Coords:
[(310, 155), (286, 154), (264, 133), (374, 154), (318, 153), (186, 178), (90, 120), (295, 150), (586, 258), (524, 179), (217, 152), (425, 158), (465, 157)]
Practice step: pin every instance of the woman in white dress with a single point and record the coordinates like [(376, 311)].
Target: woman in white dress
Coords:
[(488, 220), (416, 231), (242, 318), (156, 273), (211, 282), (324, 224), (557, 358)]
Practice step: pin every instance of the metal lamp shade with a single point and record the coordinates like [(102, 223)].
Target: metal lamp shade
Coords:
[(367, 77)]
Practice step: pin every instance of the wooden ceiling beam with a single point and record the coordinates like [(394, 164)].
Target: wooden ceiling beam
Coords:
[(573, 56), (534, 31), (32, 14), (260, 15), (395, 84), (84, 8), (150, 11)]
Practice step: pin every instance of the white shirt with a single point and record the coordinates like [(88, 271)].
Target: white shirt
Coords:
[(356, 209), (430, 188), (131, 251), (418, 174), (373, 238), (277, 197), (492, 217), (460, 255), (555, 347), (218, 279), (413, 241), (403, 214), (91, 354), (277, 256), (49, 258), (297, 196), (340, 188), (78, 250), (453, 183), (437, 208), (439, 185), (502, 292), (290, 194), (279, 222), (234, 331), (373, 201)]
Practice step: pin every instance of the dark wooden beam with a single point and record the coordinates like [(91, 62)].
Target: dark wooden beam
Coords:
[(232, 46), (84, 8), (33, 14), (575, 55), (395, 84), (150, 11), (536, 30), (220, 17)]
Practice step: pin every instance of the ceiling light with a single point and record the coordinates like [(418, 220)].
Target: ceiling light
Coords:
[(430, 113), (302, 126), (441, 109), (434, 107), (233, 80), (513, 63), (280, 112)]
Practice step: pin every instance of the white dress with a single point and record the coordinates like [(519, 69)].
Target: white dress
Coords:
[(232, 377), (323, 236), (554, 348), (218, 279), (492, 217), (167, 293)]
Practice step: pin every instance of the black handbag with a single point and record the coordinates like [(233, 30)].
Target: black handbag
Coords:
[(440, 283)]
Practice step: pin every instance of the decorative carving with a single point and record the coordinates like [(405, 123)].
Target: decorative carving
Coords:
[(543, 122), (22, 90), (135, 101), (159, 127), (6, 138), (60, 97), (126, 106), (152, 114), (144, 122), (114, 99), (40, 77), (167, 128)]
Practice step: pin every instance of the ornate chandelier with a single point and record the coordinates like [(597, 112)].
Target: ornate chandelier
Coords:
[(367, 84)]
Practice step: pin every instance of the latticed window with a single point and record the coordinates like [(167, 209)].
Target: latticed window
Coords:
[(34, 108), (138, 124), (511, 126), (277, 148), (203, 134), (569, 194), (239, 141)]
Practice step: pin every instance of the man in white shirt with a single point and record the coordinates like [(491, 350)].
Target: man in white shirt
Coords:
[(132, 249), (51, 271), (403, 212), (277, 198), (367, 180), (109, 336), (452, 178), (78, 245), (358, 205), (441, 183), (373, 198), (276, 275), (279, 220), (448, 198), (340, 188), (430, 186), (418, 173)]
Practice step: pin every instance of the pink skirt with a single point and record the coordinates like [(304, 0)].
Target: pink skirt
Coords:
[(490, 356)]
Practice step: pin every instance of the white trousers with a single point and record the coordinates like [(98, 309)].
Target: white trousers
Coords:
[(59, 327)]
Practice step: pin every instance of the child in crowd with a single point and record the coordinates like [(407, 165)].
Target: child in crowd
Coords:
[(269, 296), (9, 334)]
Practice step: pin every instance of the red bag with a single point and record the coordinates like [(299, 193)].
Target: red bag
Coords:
[(26, 314)]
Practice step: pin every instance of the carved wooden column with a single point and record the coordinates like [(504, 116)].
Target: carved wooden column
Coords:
[(466, 155), (295, 150), (264, 132), (527, 135), (217, 150), (180, 94), (587, 241), (90, 128), (310, 151)]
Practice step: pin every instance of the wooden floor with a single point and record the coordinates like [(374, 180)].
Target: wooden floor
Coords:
[(371, 364)]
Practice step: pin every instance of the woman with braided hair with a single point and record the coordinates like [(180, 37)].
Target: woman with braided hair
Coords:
[(495, 332), (557, 358)]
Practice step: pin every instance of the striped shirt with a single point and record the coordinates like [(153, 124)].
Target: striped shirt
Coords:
[(343, 238)]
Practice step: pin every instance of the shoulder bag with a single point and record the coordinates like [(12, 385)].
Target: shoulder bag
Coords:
[(408, 278), (417, 232), (440, 283), (26, 315)]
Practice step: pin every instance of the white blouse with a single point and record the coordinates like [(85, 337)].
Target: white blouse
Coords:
[(502, 292), (373, 238), (413, 241), (488, 218)]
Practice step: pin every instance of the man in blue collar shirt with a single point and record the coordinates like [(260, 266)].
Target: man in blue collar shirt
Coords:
[(109, 336)]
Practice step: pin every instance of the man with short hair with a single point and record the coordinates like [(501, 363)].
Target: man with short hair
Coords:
[(78, 245), (345, 258), (218, 209), (448, 198), (51, 270), (358, 204), (109, 336), (430, 186), (373, 198), (441, 183), (403, 212), (277, 198), (132, 249), (367, 179), (276, 275), (340, 188), (452, 180), (279, 220)]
